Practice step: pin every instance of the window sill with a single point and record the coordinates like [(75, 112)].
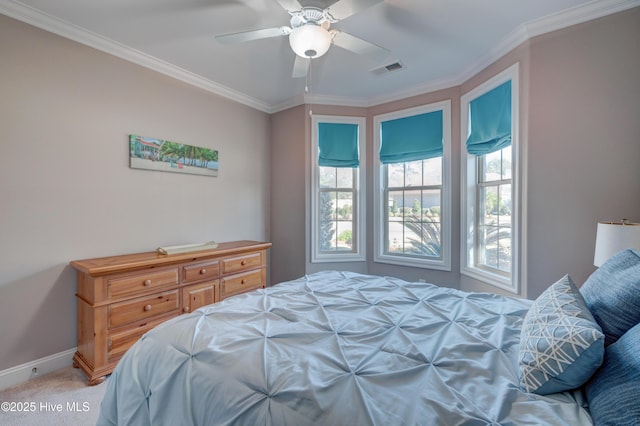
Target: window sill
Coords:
[(336, 258), (488, 278), (439, 265)]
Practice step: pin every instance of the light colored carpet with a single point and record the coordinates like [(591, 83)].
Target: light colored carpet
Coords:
[(60, 398)]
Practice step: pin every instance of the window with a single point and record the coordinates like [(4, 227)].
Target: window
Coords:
[(338, 225), (494, 212), (412, 194), (490, 200)]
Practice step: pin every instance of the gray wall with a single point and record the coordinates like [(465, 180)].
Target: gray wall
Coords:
[(66, 188), (580, 126), (584, 142), (288, 194)]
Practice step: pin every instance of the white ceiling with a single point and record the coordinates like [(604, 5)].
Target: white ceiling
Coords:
[(440, 42)]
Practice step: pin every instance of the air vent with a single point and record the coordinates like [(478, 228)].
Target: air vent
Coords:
[(395, 66)]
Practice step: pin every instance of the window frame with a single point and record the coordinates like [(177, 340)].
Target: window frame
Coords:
[(379, 190), (512, 281), (359, 228)]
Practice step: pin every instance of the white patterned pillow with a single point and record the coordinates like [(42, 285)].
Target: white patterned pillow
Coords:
[(561, 345)]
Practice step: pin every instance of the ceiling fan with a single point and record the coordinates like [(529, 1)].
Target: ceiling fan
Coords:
[(309, 33)]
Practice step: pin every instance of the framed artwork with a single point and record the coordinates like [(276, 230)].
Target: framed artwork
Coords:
[(158, 154)]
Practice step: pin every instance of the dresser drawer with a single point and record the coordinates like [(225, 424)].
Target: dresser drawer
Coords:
[(144, 308), (200, 271), (197, 295), (131, 284), (118, 343), (241, 283), (241, 263)]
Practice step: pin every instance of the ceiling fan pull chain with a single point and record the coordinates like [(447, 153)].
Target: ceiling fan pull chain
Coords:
[(308, 77), (306, 89)]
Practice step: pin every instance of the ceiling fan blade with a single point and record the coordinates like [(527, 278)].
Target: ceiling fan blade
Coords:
[(345, 8), (253, 35), (290, 5), (359, 46), (300, 67)]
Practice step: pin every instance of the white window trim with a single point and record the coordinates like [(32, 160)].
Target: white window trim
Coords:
[(468, 163), (359, 255), (379, 256)]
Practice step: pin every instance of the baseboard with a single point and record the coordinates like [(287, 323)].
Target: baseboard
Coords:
[(24, 372)]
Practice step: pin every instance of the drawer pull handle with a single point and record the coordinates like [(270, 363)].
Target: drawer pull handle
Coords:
[(185, 309), (147, 282), (109, 343), (203, 271), (243, 282), (244, 262), (147, 307)]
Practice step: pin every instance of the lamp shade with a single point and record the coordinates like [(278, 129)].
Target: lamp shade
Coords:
[(310, 40), (613, 237)]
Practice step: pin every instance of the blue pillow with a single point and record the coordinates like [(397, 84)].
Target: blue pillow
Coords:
[(613, 391), (561, 345), (612, 294)]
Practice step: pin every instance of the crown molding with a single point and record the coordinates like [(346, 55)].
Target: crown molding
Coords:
[(429, 87), (576, 15), (335, 100), (29, 15), (557, 21), (287, 103)]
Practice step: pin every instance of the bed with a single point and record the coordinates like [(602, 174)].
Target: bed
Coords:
[(340, 348)]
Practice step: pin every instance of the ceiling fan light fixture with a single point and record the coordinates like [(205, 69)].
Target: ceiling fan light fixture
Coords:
[(310, 40)]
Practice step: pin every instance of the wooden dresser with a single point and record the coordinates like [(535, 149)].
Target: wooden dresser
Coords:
[(122, 297)]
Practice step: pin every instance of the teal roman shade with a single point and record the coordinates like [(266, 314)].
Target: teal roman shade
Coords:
[(417, 137), (490, 121), (338, 145)]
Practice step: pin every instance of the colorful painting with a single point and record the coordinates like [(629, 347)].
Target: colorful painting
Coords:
[(157, 154)]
